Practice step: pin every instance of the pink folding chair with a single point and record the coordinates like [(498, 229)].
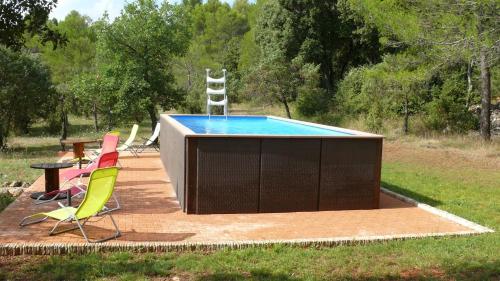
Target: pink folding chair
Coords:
[(109, 144), (105, 160)]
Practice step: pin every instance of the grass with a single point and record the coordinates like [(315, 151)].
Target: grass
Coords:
[(457, 178)]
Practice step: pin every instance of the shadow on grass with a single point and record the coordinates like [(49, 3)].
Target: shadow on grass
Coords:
[(483, 271), (94, 266), (133, 266), (50, 148), (73, 130), (414, 195), (31, 152), (258, 275)]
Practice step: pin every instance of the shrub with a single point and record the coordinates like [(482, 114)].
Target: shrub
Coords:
[(5, 200), (447, 110), (312, 99)]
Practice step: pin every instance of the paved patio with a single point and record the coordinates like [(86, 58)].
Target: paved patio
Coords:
[(150, 213)]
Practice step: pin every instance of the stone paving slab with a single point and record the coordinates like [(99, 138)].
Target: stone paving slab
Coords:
[(151, 216)]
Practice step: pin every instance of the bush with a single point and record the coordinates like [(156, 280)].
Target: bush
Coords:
[(311, 103), (350, 98), (5, 200), (374, 118), (25, 91), (53, 122), (447, 110), (312, 100)]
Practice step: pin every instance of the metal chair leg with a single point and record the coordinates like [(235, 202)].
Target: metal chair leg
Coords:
[(53, 232), (132, 150), (22, 223), (116, 235), (107, 209)]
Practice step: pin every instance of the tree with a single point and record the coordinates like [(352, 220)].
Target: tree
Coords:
[(217, 30), (274, 80), (25, 93), (142, 43), (20, 16), (69, 61), (325, 33), (310, 95), (98, 91), (191, 3), (444, 30), (396, 87)]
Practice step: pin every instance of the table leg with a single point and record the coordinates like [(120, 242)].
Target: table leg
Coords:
[(51, 180), (78, 153), (78, 150), (69, 197)]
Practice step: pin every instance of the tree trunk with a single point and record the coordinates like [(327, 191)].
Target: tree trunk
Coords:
[(152, 116), (327, 76), (285, 103), (64, 118), (94, 112), (189, 82), (484, 121), (1, 137), (406, 116), (469, 83), (110, 119)]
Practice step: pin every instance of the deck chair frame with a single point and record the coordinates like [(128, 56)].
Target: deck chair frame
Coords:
[(152, 141), (128, 145), (72, 213)]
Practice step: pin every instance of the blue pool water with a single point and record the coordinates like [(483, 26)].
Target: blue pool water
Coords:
[(251, 125)]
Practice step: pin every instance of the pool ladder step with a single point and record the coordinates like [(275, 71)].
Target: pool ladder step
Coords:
[(211, 93)]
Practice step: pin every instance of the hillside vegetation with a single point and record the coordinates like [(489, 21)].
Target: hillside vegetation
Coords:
[(421, 67)]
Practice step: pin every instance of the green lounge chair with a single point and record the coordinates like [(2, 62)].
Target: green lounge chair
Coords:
[(99, 190)]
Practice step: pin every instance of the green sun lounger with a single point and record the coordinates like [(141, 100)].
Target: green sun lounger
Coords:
[(99, 190)]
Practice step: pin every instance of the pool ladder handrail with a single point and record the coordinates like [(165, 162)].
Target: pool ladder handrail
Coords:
[(216, 92)]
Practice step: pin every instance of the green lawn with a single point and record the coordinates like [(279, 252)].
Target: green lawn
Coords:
[(464, 190)]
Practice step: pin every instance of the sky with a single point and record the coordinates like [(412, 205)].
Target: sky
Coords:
[(94, 8)]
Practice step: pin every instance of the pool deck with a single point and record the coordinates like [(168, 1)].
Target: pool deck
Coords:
[(151, 220)]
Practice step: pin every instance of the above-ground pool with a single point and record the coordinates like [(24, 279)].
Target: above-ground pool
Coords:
[(252, 164), (252, 125)]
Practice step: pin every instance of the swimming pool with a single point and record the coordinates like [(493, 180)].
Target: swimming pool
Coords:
[(252, 125), (252, 164)]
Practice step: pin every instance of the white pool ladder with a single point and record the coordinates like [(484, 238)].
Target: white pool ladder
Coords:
[(219, 92)]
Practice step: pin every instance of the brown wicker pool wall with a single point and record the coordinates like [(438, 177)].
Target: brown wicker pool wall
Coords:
[(252, 174)]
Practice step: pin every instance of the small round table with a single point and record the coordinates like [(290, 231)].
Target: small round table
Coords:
[(51, 178), (79, 147)]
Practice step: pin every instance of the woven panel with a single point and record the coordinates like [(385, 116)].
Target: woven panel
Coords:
[(228, 175), (289, 175), (350, 174), (172, 156), (190, 197)]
